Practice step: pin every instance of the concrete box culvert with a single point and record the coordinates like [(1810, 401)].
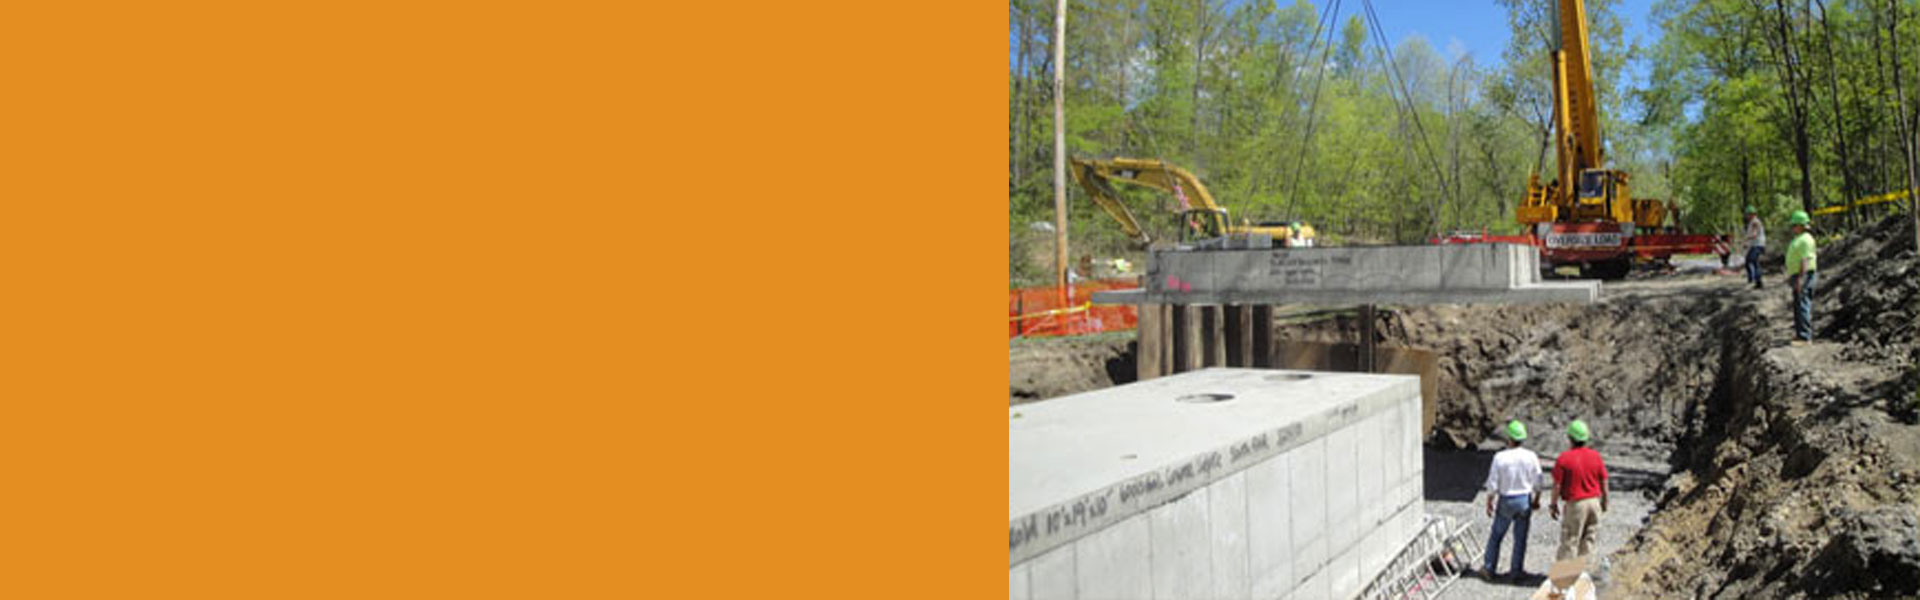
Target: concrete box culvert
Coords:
[(1304, 486)]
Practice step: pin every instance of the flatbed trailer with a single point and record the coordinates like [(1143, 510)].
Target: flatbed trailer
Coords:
[(1600, 249)]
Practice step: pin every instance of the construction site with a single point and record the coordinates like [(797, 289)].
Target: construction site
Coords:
[(1305, 398)]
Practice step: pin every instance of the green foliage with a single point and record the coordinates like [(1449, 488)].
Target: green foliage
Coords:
[(1723, 99), (1228, 89), (1231, 90)]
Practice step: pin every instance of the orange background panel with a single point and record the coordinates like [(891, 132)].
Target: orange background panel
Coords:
[(482, 299)]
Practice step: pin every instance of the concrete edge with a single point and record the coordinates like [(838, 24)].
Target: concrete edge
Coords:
[(1582, 292), (1035, 533)]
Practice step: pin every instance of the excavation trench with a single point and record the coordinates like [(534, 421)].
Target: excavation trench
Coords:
[(1743, 467)]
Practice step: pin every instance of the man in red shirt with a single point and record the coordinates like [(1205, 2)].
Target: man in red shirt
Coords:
[(1580, 480)]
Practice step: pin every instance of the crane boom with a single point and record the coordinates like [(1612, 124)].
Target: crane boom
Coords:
[(1586, 216), (1581, 135)]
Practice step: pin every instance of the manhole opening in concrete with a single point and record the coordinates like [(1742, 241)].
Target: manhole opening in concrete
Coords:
[(1204, 398), (1284, 377)]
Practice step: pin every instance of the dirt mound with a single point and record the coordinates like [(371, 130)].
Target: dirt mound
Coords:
[(1041, 368), (1632, 364), (1799, 475), (1874, 290)]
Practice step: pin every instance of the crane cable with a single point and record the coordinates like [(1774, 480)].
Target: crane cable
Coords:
[(1319, 25), (1393, 71), (1313, 105)]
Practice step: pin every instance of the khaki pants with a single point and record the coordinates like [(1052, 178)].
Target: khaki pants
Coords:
[(1578, 526)]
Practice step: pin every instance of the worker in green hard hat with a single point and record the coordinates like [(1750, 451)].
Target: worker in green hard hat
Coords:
[(1512, 495), (1803, 268), (1580, 480), (1756, 238)]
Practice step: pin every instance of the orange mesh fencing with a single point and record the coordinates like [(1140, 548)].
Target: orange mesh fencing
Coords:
[(1036, 312)]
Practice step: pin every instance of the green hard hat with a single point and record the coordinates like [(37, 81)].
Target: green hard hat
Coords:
[(1799, 218), (1578, 430), (1516, 430), (1750, 209)]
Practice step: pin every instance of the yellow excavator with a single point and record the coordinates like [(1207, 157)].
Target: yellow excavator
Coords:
[(1201, 219)]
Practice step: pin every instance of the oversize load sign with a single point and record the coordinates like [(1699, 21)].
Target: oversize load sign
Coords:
[(1583, 240)]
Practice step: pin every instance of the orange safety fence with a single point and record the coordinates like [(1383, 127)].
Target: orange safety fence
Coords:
[(1036, 312)]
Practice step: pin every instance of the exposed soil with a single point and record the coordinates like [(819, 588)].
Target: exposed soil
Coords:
[(1762, 470), (1797, 474), (1041, 368)]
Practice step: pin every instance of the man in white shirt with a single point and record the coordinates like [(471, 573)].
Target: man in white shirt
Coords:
[(1512, 495)]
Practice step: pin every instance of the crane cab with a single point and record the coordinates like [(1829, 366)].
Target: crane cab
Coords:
[(1601, 194), (1202, 223)]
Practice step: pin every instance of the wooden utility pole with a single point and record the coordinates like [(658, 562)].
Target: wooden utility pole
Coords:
[(1060, 151)]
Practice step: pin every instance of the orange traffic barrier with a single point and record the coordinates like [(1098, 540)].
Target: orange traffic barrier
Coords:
[(1037, 312)]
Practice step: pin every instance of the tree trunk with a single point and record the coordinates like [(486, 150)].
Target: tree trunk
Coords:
[(1746, 180), (1908, 139), (1839, 122), (1782, 47), (1199, 59), (1796, 105)]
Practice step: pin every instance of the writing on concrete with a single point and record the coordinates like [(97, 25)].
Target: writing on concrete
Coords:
[(1304, 270), (1022, 531), (1247, 448), (1285, 436), (1090, 512)]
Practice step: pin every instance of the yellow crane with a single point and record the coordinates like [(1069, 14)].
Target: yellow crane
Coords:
[(1203, 218), (1586, 216)]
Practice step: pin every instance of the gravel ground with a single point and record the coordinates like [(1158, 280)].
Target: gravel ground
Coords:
[(1453, 480)]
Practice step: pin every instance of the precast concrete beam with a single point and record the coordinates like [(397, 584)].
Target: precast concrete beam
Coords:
[(1448, 274)]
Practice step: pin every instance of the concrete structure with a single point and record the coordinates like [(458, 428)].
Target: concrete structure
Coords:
[(1451, 274), (1220, 483), (1233, 292)]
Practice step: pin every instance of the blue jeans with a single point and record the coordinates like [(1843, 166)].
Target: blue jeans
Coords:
[(1753, 264), (1515, 511), (1803, 306)]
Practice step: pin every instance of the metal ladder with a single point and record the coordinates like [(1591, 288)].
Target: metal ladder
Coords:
[(1427, 565)]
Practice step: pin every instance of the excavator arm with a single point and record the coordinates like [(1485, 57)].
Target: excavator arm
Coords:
[(1101, 191), (1153, 174), (1098, 176), (1203, 218)]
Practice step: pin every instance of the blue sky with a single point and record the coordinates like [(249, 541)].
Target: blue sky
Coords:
[(1476, 27)]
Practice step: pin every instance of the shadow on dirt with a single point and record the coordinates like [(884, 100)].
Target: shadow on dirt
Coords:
[(1454, 475)]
